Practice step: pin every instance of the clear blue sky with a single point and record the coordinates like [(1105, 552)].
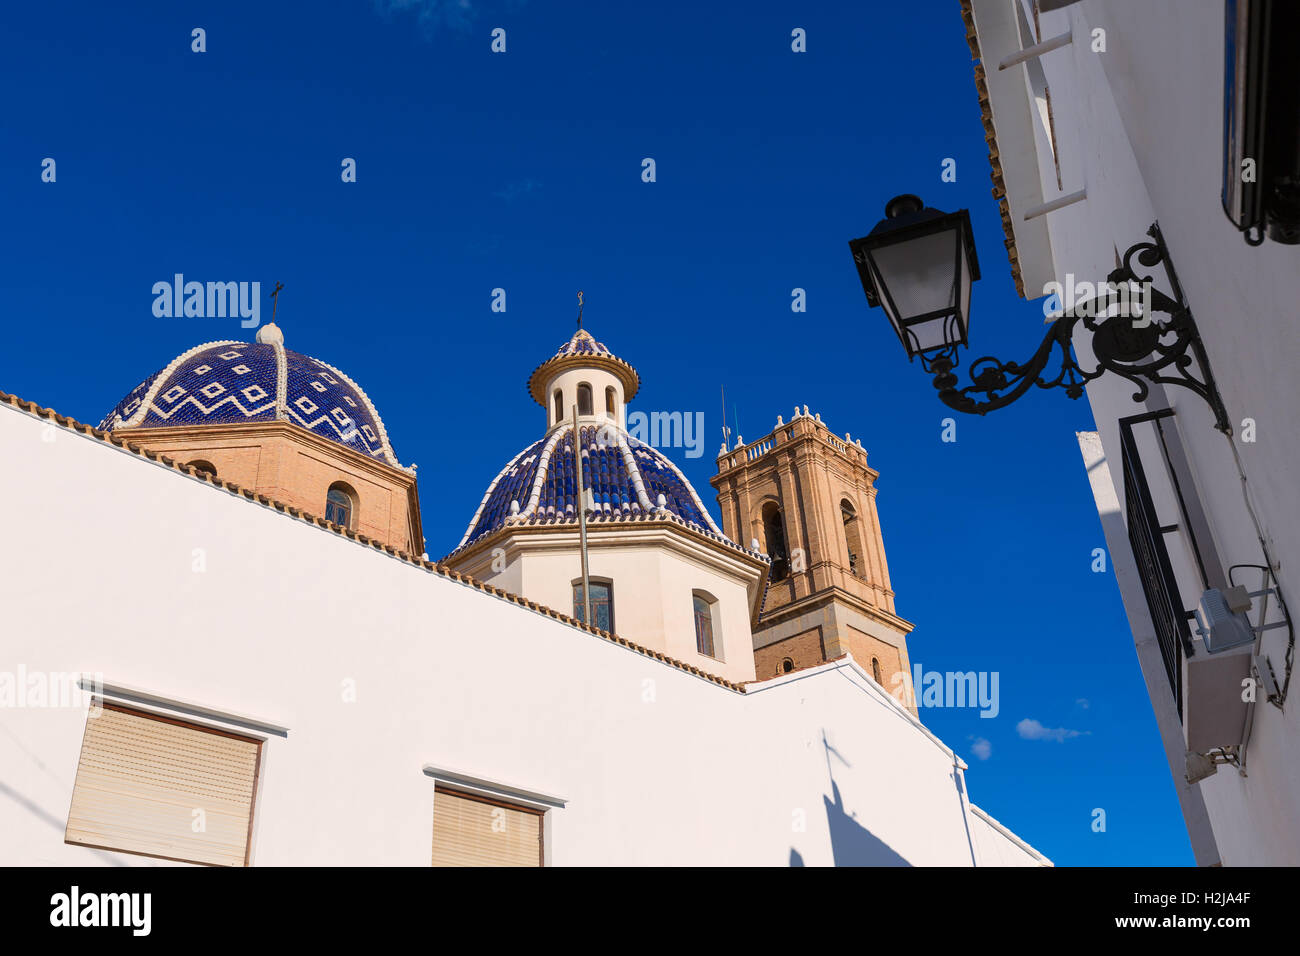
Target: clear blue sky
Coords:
[(523, 171)]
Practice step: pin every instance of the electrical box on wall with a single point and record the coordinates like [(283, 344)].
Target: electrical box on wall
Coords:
[(1222, 619)]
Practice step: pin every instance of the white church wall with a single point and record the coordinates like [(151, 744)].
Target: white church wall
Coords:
[(652, 597), (126, 568), (1139, 126), (995, 845)]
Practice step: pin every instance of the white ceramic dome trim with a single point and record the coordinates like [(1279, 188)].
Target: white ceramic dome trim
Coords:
[(146, 403)]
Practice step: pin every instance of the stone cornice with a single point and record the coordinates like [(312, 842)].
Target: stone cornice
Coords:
[(828, 595), (566, 534), (284, 429)]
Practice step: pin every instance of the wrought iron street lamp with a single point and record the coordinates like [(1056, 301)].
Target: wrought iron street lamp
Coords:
[(918, 265)]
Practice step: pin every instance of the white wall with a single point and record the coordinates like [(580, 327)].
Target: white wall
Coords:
[(654, 573), (653, 588), (599, 380), (97, 574), (1140, 127)]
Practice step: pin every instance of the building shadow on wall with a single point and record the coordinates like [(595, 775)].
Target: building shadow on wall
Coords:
[(852, 844)]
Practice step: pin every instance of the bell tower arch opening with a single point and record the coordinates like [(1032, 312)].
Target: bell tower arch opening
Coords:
[(853, 538), (774, 539)]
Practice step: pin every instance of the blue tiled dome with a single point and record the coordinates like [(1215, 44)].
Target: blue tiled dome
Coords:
[(235, 382), (627, 479)]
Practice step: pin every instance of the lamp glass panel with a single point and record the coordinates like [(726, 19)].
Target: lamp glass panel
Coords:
[(918, 273), (932, 334), (963, 315)]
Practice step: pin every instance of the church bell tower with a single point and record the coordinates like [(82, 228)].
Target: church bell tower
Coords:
[(807, 499)]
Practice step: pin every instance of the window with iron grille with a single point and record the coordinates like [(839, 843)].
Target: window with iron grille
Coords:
[(1147, 539)]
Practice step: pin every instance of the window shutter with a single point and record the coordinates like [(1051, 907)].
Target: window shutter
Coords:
[(141, 778), (474, 831)]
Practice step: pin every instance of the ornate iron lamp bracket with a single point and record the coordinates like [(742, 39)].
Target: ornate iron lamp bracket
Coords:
[(1142, 348)]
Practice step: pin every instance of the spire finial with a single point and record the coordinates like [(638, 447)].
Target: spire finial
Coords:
[(579, 308), (275, 298)]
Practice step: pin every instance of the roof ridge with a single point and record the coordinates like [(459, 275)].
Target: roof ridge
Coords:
[(634, 472), (543, 469), (439, 568)]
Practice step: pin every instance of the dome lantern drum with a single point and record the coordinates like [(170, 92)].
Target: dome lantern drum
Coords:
[(558, 383)]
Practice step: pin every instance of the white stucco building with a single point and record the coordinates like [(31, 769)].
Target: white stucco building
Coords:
[(1113, 120), (261, 686)]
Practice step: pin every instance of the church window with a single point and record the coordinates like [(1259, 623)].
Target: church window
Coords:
[(611, 402), (774, 531), (559, 406), (204, 467), (704, 636), (340, 505), (584, 399), (875, 671), (787, 666), (602, 604)]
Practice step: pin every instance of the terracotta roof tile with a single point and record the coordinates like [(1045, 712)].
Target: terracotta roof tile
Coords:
[(990, 137)]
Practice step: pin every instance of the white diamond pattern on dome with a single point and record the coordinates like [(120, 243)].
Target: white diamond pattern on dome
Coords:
[(224, 383)]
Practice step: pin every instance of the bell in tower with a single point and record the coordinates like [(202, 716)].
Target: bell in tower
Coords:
[(807, 499)]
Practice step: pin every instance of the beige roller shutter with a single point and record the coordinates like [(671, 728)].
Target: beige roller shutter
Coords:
[(476, 831), (142, 778)]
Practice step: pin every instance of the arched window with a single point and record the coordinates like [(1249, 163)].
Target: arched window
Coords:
[(787, 666), (875, 672), (611, 402), (340, 504), (774, 531), (198, 464), (705, 641), (853, 538), (602, 603), (559, 407), (584, 399)]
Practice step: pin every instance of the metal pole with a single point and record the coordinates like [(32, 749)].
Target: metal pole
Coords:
[(1038, 49), (582, 519)]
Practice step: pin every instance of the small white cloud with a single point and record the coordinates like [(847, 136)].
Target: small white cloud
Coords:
[(981, 748), (514, 190), (432, 15), (1083, 702), (1030, 729)]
